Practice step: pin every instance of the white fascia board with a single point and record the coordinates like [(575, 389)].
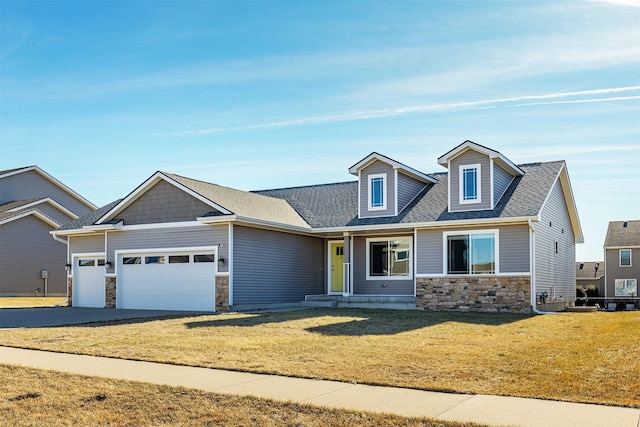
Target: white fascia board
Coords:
[(470, 145), (54, 182), (101, 227), (150, 182), (623, 247), (35, 213), (395, 164), (46, 200), (259, 223)]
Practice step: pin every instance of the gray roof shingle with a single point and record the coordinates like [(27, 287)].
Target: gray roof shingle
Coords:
[(623, 233), (587, 270)]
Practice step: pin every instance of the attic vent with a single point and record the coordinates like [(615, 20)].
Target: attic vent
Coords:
[(624, 224), (581, 266)]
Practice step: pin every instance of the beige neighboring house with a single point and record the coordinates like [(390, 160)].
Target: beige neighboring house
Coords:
[(590, 274), (32, 204), (622, 259)]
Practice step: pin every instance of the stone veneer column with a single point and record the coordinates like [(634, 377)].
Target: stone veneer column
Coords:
[(110, 292), (222, 293), (69, 290), (492, 294)]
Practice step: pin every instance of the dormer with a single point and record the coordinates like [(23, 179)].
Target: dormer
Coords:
[(385, 186), (478, 177)]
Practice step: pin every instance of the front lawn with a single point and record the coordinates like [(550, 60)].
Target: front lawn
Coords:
[(27, 302), (579, 357), (46, 398)]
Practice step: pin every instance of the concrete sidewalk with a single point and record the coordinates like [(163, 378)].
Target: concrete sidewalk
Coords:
[(492, 410)]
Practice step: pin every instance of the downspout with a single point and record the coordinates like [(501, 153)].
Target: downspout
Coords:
[(532, 247)]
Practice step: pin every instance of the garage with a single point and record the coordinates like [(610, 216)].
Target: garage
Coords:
[(88, 282), (167, 280)]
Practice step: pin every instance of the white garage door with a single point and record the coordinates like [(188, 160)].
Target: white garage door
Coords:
[(167, 281), (88, 282)]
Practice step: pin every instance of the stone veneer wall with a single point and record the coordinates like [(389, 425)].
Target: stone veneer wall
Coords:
[(222, 293), (69, 290), (492, 294), (110, 294)]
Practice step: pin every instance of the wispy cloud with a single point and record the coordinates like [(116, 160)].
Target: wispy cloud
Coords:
[(633, 3), (520, 101)]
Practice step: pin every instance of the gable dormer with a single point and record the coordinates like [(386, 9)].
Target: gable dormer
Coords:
[(385, 186), (478, 177)]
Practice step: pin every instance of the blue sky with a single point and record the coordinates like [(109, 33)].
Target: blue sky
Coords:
[(268, 94)]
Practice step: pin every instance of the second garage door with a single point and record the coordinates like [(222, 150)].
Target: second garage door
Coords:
[(168, 280)]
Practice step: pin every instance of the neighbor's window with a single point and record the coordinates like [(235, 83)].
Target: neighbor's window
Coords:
[(377, 192), (626, 287), (390, 258), (473, 253), (470, 183), (625, 257)]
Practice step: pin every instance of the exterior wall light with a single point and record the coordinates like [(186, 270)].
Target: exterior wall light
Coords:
[(107, 264), (67, 267)]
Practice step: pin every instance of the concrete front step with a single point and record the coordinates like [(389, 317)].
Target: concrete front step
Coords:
[(319, 303), (361, 301)]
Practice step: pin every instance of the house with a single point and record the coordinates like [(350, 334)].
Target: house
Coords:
[(484, 235), (590, 275), (33, 203), (622, 261)]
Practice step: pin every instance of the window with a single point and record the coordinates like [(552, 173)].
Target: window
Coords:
[(129, 260), (625, 257), (377, 192), (154, 259), (389, 258), (86, 262), (204, 258), (473, 253), (178, 259), (470, 184), (626, 287)]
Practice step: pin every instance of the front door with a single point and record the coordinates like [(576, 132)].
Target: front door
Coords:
[(337, 267)]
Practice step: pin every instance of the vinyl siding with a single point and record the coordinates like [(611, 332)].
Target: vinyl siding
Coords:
[(32, 249), (614, 271), (86, 244), (164, 203), (470, 157), (32, 185), (501, 181), (513, 249), (377, 167), (553, 270), (273, 267), (408, 189), (362, 286), (178, 237)]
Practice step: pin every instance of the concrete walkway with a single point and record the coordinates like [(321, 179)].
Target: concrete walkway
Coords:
[(492, 410)]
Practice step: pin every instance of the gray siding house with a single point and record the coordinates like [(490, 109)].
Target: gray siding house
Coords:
[(622, 261), (485, 235), (32, 204)]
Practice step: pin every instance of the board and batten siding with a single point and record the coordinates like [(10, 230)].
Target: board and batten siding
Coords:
[(162, 203), (408, 189), (513, 249), (31, 250), (501, 181), (173, 238), (273, 267), (555, 270), (375, 168), (32, 185), (470, 157), (379, 285)]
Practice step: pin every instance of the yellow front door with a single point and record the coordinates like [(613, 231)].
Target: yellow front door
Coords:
[(337, 266)]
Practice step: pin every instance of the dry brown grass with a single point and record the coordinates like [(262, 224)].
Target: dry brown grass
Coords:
[(45, 398), (577, 357), (26, 302)]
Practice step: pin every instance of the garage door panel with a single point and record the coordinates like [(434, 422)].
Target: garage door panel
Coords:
[(88, 283)]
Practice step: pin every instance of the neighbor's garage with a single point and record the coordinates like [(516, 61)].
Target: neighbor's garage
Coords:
[(88, 282), (168, 280)]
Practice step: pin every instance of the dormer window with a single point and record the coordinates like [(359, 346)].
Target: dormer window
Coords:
[(470, 184), (377, 192)]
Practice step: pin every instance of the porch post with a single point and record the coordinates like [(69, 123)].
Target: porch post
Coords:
[(346, 269)]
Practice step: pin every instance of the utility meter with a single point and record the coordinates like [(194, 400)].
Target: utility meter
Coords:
[(44, 274)]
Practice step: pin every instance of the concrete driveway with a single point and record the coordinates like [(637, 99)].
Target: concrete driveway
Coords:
[(57, 316)]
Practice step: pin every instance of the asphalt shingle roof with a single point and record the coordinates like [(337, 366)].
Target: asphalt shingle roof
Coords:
[(588, 270), (618, 235), (89, 218), (5, 208)]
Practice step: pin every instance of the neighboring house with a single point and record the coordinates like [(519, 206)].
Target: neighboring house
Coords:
[(486, 235), (32, 204), (622, 260), (590, 274)]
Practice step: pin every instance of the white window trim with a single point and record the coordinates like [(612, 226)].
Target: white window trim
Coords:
[(445, 249), (625, 280), (620, 258), (478, 168), (384, 192), (388, 239)]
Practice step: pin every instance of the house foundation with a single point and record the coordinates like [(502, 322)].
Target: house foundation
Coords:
[(494, 294)]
